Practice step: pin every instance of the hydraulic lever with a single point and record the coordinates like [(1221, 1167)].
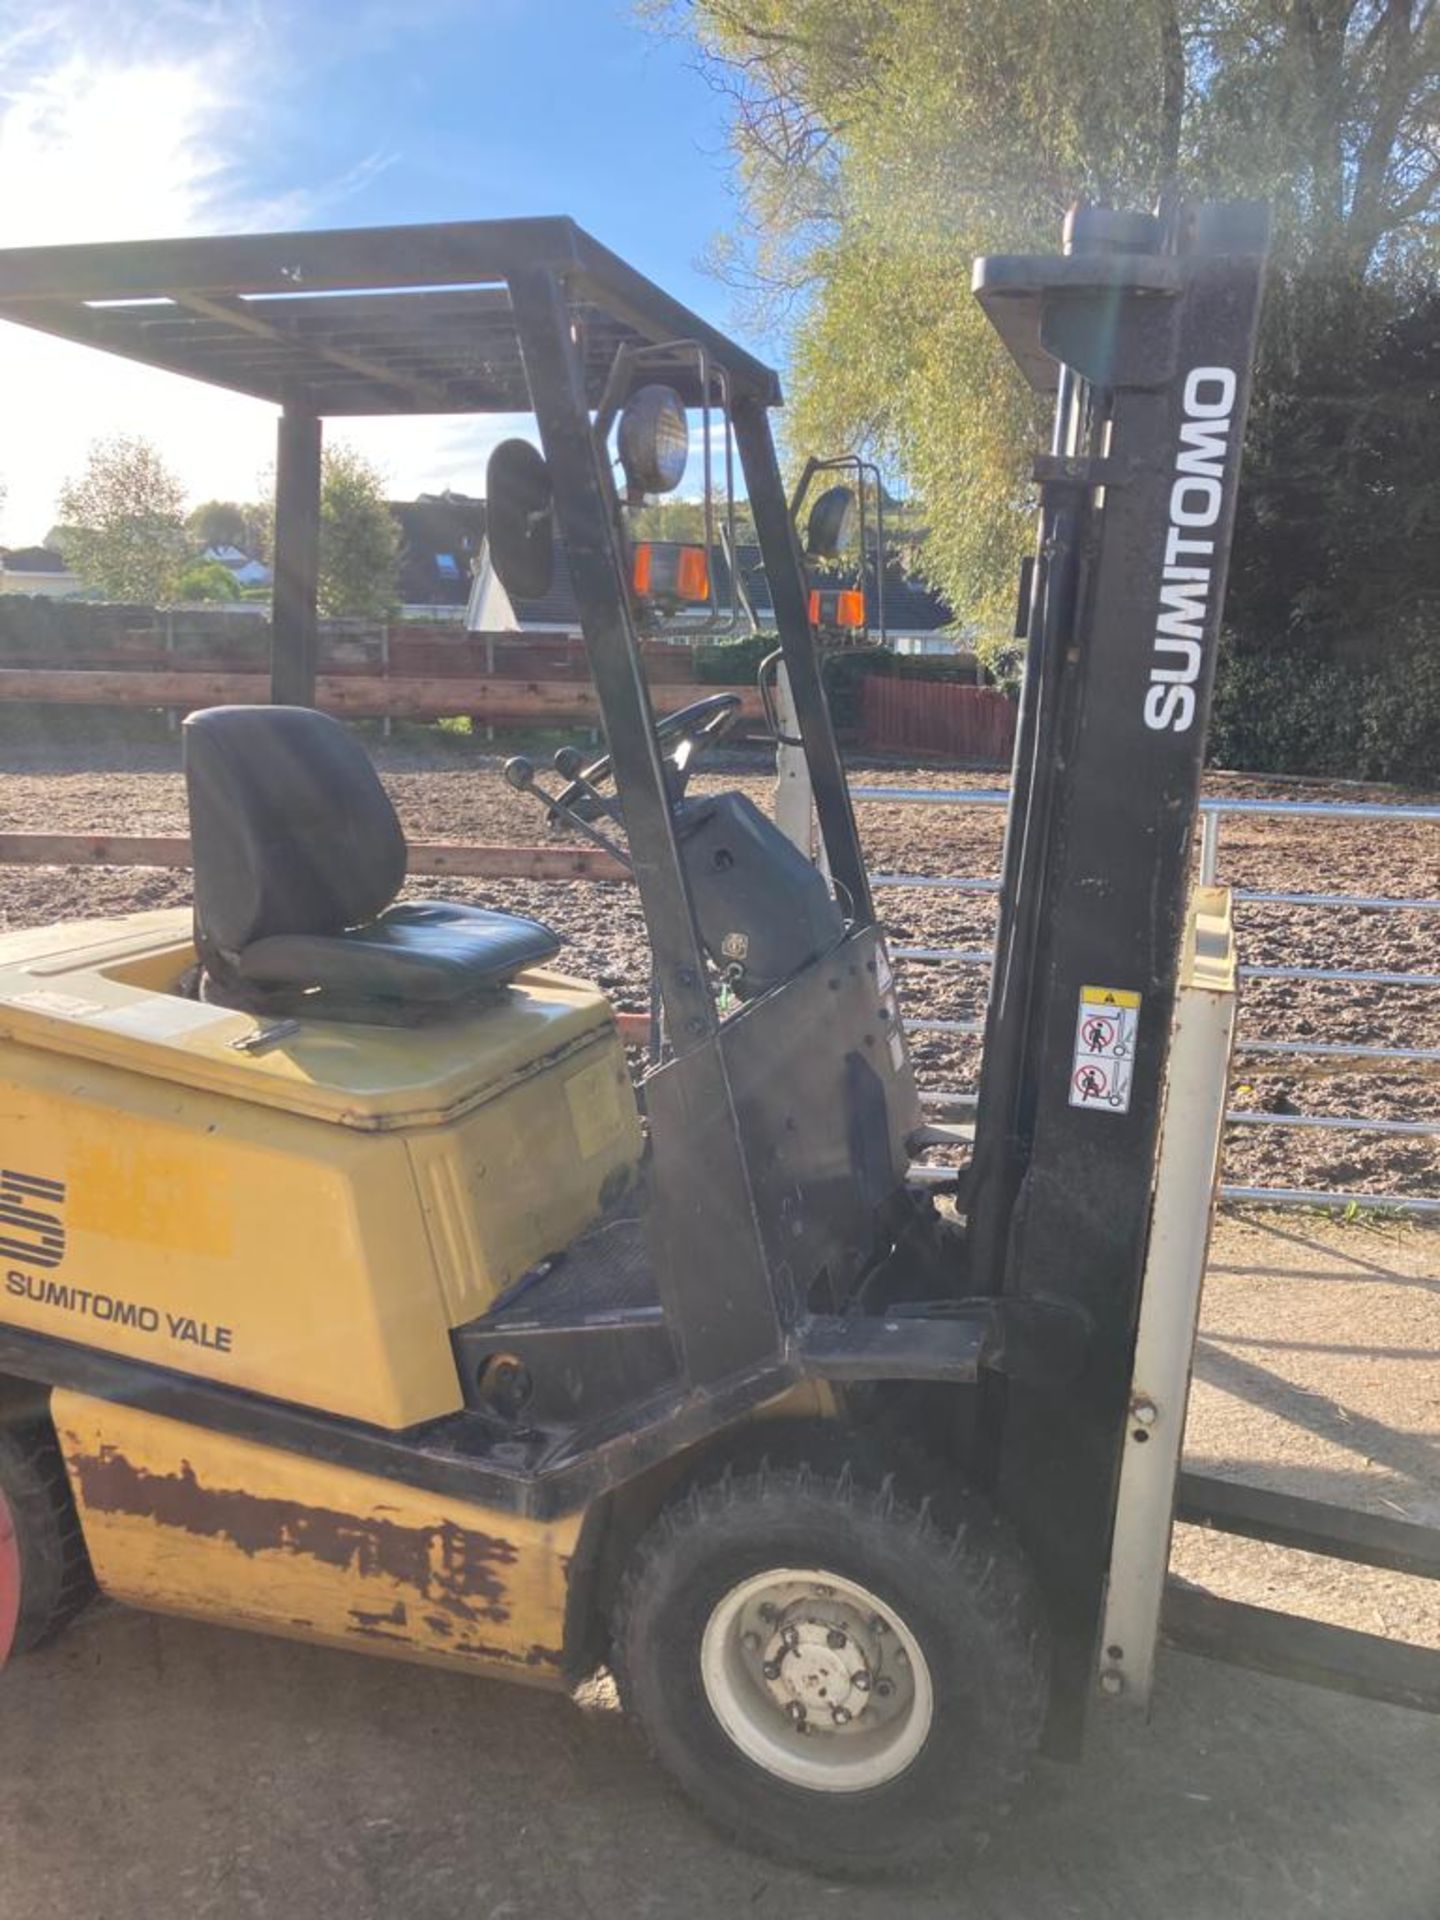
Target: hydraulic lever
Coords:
[(519, 773)]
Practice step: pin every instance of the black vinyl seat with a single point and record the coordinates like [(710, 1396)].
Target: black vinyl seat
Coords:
[(298, 856)]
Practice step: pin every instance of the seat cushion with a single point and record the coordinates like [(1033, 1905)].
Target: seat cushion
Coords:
[(430, 951)]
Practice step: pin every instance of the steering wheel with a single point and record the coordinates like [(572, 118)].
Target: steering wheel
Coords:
[(682, 736)]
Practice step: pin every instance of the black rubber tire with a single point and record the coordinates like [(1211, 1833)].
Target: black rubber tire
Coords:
[(56, 1582), (955, 1578)]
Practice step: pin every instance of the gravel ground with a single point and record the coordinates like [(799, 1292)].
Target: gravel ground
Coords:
[(454, 793)]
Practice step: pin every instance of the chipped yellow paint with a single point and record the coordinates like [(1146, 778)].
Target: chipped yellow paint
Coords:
[(182, 1520)]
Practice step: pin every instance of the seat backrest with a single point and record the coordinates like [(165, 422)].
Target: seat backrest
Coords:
[(290, 829)]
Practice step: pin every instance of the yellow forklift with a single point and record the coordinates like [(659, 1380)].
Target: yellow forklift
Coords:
[(351, 1292)]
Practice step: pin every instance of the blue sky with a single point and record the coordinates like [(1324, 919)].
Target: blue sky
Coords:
[(136, 118)]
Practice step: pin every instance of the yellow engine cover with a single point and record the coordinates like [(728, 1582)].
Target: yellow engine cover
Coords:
[(308, 1220), (183, 1520)]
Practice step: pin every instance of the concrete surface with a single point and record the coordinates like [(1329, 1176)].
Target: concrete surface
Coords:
[(156, 1768)]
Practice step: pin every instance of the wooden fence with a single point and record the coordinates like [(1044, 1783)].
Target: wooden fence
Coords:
[(501, 701), (67, 654), (129, 657), (903, 715)]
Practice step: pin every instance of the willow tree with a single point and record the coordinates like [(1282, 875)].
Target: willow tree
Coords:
[(879, 144)]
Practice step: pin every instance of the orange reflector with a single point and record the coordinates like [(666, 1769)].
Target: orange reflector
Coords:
[(692, 581), (837, 607), (664, 570)]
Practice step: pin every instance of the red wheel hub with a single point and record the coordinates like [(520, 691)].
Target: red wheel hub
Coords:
[(9, 1580)]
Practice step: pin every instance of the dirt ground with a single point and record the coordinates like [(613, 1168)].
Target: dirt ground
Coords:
[(454, 792), (156, 1767)]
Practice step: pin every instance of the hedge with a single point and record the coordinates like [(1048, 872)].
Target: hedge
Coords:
[(1287, 712)]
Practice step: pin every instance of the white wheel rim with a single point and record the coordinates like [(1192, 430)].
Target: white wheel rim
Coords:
[(816, 1680)]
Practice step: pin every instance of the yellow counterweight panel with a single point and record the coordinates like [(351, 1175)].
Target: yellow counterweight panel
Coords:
[(521, 1177), (271, 1252), (182, 1520), (306, 1217)]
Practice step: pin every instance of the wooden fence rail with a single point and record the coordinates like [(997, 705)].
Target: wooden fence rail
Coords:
[(353, 695), (462, 860), (427, 858)]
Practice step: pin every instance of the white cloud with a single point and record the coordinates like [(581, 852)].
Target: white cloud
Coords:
[(92, 151), (138, 145)]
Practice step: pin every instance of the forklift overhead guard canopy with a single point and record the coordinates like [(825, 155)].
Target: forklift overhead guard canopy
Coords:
[(374, 320)]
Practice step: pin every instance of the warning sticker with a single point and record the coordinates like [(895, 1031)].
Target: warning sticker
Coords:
[(1104, 1062)]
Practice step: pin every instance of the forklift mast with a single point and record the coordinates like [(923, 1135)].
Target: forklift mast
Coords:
[(1144, 328)]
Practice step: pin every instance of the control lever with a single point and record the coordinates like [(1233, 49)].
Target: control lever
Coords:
[(519, 773), (569, 763)]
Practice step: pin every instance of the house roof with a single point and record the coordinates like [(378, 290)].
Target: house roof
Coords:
[(911, 605), (377, 320), (441, 535), (32, 560)]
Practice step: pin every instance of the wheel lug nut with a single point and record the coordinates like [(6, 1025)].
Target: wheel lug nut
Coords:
[(796, 1712), (835, 1639), (860, 1681), (841, 1716), (771, 1669)]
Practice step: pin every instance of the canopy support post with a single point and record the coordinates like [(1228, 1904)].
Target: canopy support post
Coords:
[(293, 644)]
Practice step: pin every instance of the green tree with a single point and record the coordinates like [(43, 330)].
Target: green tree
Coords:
[(679, 519), (1338, 542), (207, 580), (879, 144), (259, 539), (219, 523), (124, 515), (60, 539), (359, 538)]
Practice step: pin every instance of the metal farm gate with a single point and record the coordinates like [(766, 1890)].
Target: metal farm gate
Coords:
[(1339, 1055)]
